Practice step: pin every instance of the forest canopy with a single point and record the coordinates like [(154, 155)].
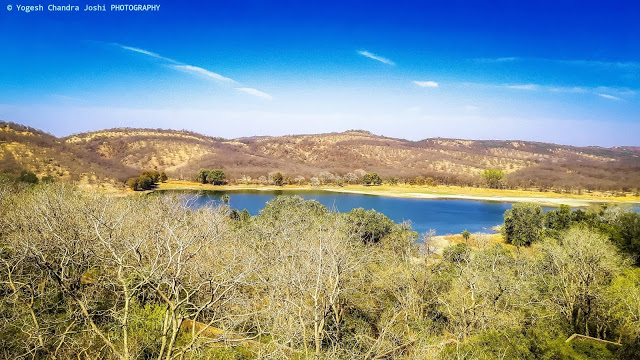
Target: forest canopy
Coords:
[(137, 277)]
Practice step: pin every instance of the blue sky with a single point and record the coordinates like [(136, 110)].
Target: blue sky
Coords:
[(557, 71)]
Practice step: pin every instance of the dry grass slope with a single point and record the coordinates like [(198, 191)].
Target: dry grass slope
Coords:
[(119, 153)]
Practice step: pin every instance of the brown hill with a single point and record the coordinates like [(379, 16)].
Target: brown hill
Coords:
[(119, 153)]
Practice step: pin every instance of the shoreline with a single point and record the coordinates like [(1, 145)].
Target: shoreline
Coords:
[(415, 192)]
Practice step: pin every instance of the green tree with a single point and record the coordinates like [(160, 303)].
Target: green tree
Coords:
[(163, 177), (202, 176), (558, 219), (369, 225), (466, 235), (278, 179), (154, 175), (216, 177), (493, 177), (133, 183), (372, 179), (522, 224), (629, 234)]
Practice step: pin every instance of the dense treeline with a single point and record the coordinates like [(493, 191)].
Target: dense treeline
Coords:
[(95, 276), (526, 223)]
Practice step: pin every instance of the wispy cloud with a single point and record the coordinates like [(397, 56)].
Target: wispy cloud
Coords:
[(204, 72), (498, 60), (530, 87), (146, 52), (610, 97), (196, 70), (373, 56), (426, 83), (256, 92), (623, 65)]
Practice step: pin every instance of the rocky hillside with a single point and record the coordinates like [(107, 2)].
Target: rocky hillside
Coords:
[(118, 153)]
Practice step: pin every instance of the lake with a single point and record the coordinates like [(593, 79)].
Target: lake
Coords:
[(443, 215)]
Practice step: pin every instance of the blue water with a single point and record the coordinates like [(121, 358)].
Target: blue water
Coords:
[(444, 216)]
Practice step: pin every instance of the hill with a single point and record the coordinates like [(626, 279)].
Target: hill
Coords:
[(116, 154)]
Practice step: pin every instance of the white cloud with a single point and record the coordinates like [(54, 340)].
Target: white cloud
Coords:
[(623, 65), (200, 71), (255, 92), (204, 72), (426, 83), (574, 89), (471, 108), (610, 97), (530, 87), (376, 57), (498, 60), (146, 52)]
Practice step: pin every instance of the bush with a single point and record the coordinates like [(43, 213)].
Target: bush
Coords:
[(27, 177)]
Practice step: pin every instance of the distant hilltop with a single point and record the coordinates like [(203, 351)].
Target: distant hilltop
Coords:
[(113, 155)]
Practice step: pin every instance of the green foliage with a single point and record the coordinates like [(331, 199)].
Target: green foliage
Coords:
[(456, 253), (369, 226), (558, 219), (293, 208), (493, 177), (215, 177), (202, 176), (278, 179), (466, 235), (372, 179), (629, 234), (523, 224), (142, 182), (27, 177)]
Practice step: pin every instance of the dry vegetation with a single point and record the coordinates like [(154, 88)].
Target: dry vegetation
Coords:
[(121, 153), (93, 276)]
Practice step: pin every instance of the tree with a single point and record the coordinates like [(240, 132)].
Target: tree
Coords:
[(372, 179), (163, 177), (493, 177), (202, 176), (522, 224), (216, 177), (580, 267), (350, 178), (465, 235), (369, 225), (629, 239), (558, 219), (278, 179)]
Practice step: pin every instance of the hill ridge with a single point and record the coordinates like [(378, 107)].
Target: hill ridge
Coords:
[(116, 153)]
